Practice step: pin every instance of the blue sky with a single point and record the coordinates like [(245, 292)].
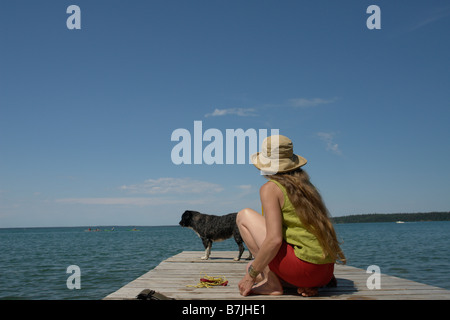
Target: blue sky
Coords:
[(86, 116)]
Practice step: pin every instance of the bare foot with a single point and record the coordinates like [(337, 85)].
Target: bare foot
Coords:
[(307, 292), (270, 286)]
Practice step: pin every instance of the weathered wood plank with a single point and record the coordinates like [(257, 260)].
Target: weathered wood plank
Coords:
[(175, 277)]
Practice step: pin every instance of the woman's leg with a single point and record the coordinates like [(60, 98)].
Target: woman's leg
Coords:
[(252, 227)]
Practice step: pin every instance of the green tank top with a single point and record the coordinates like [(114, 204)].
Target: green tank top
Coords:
[(305, 244)]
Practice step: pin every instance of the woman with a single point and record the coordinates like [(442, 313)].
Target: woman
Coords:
[(294, 242)]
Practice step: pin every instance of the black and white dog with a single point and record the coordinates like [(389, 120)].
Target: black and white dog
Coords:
[(212, 228)]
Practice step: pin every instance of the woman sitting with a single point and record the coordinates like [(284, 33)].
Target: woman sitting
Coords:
[(294, 241)]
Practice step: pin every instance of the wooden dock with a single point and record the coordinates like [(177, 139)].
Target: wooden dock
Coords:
[(175, 277)]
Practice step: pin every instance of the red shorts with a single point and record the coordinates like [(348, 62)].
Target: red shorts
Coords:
[(297, 272)]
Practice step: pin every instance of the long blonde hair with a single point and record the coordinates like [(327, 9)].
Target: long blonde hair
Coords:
[(311, 210)]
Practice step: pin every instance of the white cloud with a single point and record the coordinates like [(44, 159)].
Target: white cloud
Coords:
[(432, 16), (245, 187), (425, 18), (251, 112), (328, 138), (306, 103), (127, 201), (242, 112), (172, 186)]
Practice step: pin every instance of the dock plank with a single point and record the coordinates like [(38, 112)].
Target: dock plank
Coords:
[(175, 276)]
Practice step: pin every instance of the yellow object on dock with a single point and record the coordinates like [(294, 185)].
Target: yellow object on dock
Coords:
[(209, 282)]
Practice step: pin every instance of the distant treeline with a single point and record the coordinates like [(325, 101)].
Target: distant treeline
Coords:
[(393, 217)]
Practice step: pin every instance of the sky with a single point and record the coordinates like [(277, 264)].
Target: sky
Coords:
[(87, 115)]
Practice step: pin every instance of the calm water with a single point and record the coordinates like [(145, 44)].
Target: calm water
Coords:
[(33, 261)]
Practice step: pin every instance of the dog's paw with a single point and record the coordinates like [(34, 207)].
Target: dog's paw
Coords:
[(237, 259), (204, 258)]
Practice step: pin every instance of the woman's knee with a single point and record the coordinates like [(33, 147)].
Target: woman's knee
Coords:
[(244, 215)]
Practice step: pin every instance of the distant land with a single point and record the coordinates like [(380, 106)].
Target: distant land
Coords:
[(393, 217)]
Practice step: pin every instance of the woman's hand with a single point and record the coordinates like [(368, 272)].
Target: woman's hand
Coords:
[(246, 284)]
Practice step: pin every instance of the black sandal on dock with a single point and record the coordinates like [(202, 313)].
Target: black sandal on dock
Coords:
[(148, 294)]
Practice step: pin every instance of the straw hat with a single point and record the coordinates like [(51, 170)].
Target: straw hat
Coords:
[(277, 156)]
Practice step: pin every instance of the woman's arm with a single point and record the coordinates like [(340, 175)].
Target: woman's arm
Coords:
[(272, 200)]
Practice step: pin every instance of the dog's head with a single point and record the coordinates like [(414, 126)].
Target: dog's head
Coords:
[(186, 218)]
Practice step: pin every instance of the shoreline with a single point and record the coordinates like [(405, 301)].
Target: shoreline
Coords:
[(393, 217)]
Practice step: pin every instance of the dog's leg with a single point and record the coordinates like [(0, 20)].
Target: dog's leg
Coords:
[(208, 250), (241, 251), (207, 244)]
